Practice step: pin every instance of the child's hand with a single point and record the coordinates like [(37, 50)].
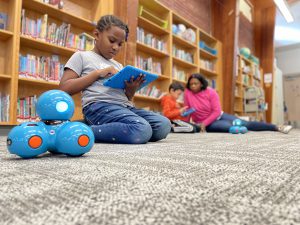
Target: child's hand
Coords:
[(202, 128), (132, 85), (183, 109), (109, 71)]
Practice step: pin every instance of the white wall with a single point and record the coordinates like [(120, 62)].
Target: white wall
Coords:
[(288, 59)]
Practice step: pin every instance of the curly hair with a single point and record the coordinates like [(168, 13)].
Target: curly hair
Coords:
[(201, 78), (108, 21)]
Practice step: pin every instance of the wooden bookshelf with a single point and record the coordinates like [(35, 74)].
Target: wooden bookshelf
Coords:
[(154, 23), (154, 18), (248, 75), (82, 17), (158, 20), (211, 60)]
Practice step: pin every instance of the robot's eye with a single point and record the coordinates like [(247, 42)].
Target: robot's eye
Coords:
[(83, 140), (8, 142), (35, 141), (62, 106)]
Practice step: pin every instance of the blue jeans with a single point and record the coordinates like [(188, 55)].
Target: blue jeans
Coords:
[(225, 122), (125, 125)]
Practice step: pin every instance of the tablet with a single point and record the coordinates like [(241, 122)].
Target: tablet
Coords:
[(118, 80), (188, 112)]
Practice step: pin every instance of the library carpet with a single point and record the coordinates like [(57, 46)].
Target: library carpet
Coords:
[(185, 179)]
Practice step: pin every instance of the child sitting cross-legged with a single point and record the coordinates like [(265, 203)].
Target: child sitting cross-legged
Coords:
[(175, 111)]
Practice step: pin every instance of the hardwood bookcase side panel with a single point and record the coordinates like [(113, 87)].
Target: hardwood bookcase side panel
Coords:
[(6, 56)]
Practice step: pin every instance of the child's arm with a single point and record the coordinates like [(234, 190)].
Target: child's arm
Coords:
[(72, 83)]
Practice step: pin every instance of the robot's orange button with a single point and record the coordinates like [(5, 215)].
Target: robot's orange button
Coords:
[(83, 140), (35, 141)]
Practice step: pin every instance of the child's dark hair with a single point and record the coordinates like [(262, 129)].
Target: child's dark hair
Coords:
[(201, 78), (108, 21), (176, 86)]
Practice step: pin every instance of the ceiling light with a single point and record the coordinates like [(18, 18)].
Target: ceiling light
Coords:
[(284, 9)]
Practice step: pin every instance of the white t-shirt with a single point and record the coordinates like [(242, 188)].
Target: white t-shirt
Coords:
[(85, 62)]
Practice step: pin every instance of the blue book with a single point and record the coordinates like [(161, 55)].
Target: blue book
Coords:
[(188, 112), (125, 74)]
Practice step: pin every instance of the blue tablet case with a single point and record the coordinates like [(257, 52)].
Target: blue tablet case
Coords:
[(118, 80)]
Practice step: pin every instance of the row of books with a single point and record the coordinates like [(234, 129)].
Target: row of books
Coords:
[(40, 67), (212, 83), (207, 64), (150, 91), (245, 79), (26, 109), (179, 74), (55, 34), (3, 20), (256, 83), (182, 54), (256, 72), (4, 107), (150, 40), (237, 92), (148, 64)]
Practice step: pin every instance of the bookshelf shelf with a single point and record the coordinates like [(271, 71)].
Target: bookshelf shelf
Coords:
[(59, 14), (180, 81), (45, 46), (204, 36), (207, 55), (183, 63), (207, 72), (152, 27), (5, 34), (4, 123), (163, 77), (4, 77), (152, 51), (183, 42), (44, 83), (147, 14), (240, 97), (147, 98)]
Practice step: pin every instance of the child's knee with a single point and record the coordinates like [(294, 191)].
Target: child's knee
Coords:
[(162, 129), (141, 134)]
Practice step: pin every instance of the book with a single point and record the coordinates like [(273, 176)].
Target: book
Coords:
[(3, 20)]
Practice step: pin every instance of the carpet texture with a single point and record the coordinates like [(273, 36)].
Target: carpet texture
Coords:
[(184, 179)]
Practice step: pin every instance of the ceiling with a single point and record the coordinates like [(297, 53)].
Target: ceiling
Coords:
[(288, 33)]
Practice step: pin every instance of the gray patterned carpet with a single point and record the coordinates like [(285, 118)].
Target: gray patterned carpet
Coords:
[(185, 179)]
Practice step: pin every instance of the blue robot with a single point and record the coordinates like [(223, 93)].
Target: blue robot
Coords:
[(54, 133), (237, 127)]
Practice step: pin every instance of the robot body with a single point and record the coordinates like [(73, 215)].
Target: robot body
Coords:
[(55, 133)]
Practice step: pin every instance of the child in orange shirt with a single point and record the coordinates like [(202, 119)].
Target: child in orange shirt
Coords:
[(173, 110)]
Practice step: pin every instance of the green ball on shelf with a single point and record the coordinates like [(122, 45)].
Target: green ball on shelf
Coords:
[(246, 52)]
